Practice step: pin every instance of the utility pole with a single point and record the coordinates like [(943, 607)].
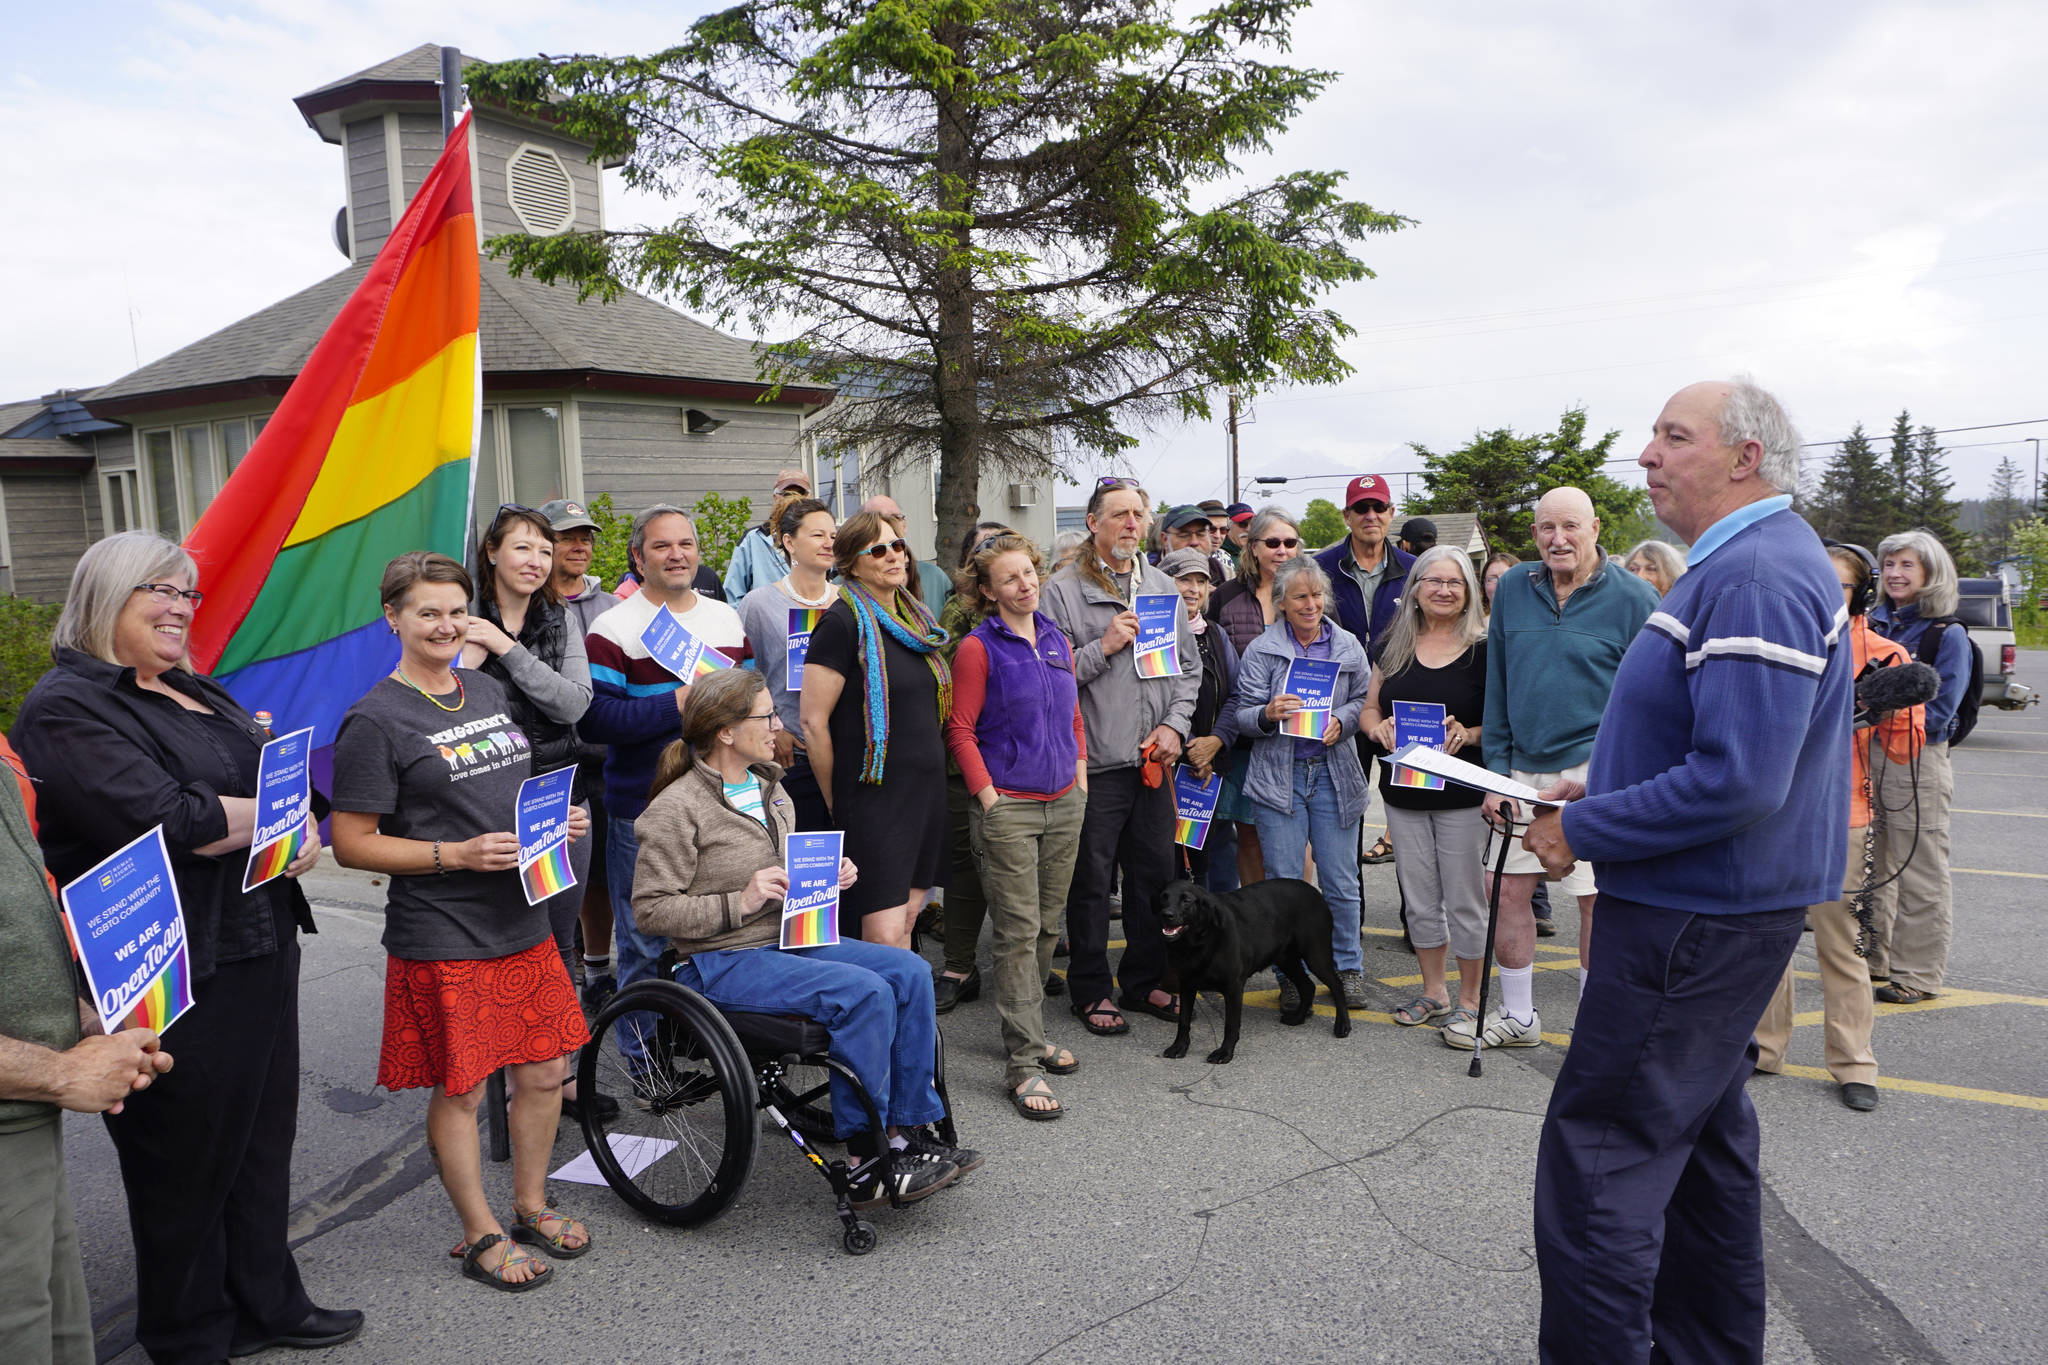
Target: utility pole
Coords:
[(1233, 445), (451, 90)]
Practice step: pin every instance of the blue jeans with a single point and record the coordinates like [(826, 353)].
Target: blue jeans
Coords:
[(637, 951), (1315, 820), (875, 1002)]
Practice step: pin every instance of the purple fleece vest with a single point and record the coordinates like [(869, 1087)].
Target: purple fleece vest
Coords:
[(1026, 731)]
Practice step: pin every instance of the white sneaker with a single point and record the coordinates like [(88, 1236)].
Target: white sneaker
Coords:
[(1504, 1030)]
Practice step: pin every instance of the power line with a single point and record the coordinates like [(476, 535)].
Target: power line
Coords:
[(1987, 426)]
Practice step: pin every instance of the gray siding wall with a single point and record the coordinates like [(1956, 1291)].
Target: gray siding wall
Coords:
[(419, 146), (47, 530), (114, 449), (495, 143), (640, 454), (369, 187)]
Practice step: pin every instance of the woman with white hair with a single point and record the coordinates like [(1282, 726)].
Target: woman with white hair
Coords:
[(122, 735), (1915, 905), (1435, 653), (1308, 792), (1245, 607), (1657, 563)]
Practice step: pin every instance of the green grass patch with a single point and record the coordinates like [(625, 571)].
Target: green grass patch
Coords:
[(2031, 635)]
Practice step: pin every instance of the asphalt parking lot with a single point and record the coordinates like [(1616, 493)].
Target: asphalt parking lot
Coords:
[(1318, 1199)]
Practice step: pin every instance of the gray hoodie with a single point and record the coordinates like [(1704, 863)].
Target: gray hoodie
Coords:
[(1118, 707)]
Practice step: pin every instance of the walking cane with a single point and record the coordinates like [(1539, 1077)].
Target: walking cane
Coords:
[(1500, 865)]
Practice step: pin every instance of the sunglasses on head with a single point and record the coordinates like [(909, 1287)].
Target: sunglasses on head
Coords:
[(1364, 505), (1280, 542), (883, 547), (1115, 481)]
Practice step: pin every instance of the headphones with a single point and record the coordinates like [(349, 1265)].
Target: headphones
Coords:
[(1864, 594)]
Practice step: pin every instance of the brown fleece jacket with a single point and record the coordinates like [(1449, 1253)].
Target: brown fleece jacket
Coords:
[(696, 855)]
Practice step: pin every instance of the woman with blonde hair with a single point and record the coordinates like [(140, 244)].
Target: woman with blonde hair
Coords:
[(1915, 902), (1435, 653), (876, 690), (1016, 732), (1657, 563)]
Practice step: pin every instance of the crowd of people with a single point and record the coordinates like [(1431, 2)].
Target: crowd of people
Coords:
[(989, 729)]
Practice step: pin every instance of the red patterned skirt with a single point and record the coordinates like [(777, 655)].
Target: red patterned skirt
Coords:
[(452, 1024)]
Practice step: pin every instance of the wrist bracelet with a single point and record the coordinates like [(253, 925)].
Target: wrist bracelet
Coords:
[(438, 869)]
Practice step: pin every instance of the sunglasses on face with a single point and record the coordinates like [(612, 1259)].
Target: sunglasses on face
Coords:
[(1280, 542), (883, 547), (1364, 505)]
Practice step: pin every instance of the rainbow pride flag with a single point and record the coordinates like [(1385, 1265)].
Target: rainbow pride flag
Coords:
[(1306, 723), (548, 875), (1190, 833), (810, 928), (273, 858), (368, 456), (1159, 663), (167, 997)]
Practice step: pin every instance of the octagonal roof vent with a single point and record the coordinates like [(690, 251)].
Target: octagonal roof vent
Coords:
[(538, 186)]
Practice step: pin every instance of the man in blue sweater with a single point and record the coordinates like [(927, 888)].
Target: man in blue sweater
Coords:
[(1714, 814)]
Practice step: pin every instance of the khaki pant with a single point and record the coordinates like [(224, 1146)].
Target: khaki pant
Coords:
[(1847, 1010), (1027, 851), (44, 1316), (1915, 914)]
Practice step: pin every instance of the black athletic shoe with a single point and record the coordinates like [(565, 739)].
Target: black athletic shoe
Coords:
[(599, 989), (909, 1178), (926, 1148)]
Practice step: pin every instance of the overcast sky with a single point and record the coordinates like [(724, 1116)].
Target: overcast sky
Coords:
[(1844, 199)]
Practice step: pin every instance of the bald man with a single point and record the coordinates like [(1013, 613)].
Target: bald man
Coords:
[(1559, 629)]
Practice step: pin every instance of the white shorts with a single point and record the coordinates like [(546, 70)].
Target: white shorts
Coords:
[(1578, 881)]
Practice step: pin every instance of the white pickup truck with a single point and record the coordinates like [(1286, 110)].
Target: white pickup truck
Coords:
[(1984, 605)]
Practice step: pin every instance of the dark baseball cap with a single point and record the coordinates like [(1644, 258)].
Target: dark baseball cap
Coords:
[(1239, 511), (1418, 528), (1186, 516), (564, 515), (1213, 506)]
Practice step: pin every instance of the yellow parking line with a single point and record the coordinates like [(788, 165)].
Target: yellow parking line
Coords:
[(1936, 1088), (2012, 751), (2016, 814), (1993, 872)]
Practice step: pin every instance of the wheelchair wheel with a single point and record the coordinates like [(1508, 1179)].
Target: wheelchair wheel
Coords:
[(683, 1143)]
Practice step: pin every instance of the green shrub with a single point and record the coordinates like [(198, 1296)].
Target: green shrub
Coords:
[(721, 523), (25, 629)]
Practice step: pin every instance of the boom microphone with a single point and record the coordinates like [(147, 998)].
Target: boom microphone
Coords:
[(1881, 690)]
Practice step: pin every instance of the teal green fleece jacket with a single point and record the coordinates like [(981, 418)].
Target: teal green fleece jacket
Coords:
[(1549, 668)]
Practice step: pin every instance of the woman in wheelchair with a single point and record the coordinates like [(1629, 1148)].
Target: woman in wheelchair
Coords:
[(710, 877)]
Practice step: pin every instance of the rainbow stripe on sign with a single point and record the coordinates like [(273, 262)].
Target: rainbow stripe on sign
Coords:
[(273, 858), (367, 456), (548, 875), (1189, 833), (1157, 663), (806, 929), (709, 661), (1306, 724), (169, 996), (804, 620), (1405, 776)]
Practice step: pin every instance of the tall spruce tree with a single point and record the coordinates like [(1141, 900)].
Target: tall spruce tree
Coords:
[(1007, 228), (2004, 509), (1854, 502), (1899, 473), (1930, 507)]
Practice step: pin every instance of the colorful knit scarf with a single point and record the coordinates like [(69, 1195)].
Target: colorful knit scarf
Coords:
[(873, 618)]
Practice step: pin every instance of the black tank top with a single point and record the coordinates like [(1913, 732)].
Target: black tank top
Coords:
[(1460, 688)]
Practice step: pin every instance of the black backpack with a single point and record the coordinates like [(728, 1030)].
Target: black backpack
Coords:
[(1966, 709)]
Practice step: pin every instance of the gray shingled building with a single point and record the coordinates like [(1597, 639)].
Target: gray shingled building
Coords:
[(630, 397)]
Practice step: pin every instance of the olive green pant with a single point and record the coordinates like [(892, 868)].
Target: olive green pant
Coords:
[(1027, 851), (1915, 914), (44, 1316)]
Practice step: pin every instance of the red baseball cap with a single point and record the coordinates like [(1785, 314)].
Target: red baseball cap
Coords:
[(1368, 486)]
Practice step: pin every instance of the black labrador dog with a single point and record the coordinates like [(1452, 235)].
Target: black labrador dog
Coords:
[(1216, 941)]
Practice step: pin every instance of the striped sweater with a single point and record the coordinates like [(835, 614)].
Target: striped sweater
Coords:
[(1720, 779), (633, 709)]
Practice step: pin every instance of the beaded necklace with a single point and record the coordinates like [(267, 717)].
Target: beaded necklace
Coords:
[(461, 695)]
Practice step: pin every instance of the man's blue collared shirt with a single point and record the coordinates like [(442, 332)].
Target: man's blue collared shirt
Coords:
[(1722, 531)]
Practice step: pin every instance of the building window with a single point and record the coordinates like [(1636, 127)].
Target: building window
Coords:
[(518, 459), (118, 502), (184, 469)]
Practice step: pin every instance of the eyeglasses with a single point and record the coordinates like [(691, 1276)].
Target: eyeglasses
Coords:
[(1364, 505), (1115, 481), (772, 717), (1445, 583), (171, 592), (883, 547), (1280, 542)]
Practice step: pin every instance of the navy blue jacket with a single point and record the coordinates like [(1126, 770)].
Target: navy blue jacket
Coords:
[(1350, 602)]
